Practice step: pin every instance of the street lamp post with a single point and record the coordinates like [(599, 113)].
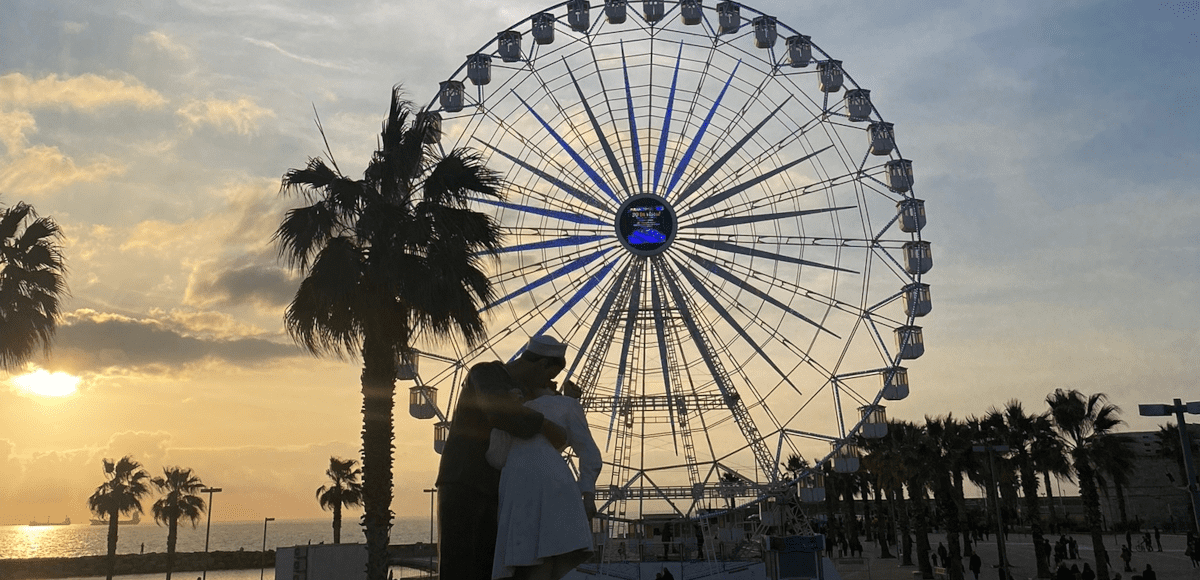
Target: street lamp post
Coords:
[(1185, 442), (432, 493), (208, 527), (1000, 547), (262, 570)]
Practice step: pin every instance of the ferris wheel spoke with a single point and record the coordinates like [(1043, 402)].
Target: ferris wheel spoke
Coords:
[(579, 160), (666, 128), (633, 132), (564, 242), (550, 213), (571, 266), (556, 182), (743, 284), (753, 253), (716, 166), (749, 219), (728, 193), (691, 150), (626, 341), (592, 281), (602, 314), (617, 170), (663, 357)]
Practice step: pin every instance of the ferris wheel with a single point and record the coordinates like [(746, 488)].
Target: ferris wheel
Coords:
[(711, 212)]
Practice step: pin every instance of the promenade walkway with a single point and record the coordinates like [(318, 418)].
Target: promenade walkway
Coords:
[(1170, 564)]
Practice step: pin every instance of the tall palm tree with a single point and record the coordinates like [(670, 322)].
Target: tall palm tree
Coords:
[(949, 442), (181, 500), (121, 494), (1049, 459), (32, 281), (1081, 420), (344, 490), (1114, 464), (384, 259), (1019, 432)]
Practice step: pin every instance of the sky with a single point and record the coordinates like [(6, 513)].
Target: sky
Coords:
[(1054, 144)]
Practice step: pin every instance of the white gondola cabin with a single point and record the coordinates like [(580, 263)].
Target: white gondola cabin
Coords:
[(874, 425), (765, 31), (691, 12), (830, 74), (918, 257), (900, 175), (452, 96), (543, 28), (579, 15), (882, 136), (441, 432), (509, 46), (909, 342), (406, 367), (729, 17), (479, 69), (858, 104), (917, 300), (422, 402), (653, 10), (895, 384), (811, 489), (614, 11), (799, 50), (845, 458), (912, 214)]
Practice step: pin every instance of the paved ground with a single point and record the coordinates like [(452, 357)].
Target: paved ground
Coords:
[(1170, 564)]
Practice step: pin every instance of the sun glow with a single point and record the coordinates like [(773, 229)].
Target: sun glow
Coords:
[(47, 384)]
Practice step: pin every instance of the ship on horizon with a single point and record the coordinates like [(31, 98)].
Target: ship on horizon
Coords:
[(66, 522)]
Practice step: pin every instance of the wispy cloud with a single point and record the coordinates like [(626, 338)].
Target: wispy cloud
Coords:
[(86, 92), (242, 116)]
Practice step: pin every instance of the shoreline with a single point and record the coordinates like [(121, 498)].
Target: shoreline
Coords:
[(126, 564)]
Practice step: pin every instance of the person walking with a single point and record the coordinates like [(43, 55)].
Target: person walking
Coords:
[(975, 564), (1126, 556), (1087, 573), (1149, 574), (1158, 538)]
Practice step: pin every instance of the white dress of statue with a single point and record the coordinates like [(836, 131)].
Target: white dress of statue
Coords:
[(541, 505)]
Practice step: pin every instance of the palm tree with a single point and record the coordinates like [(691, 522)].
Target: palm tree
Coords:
[(1081, 420), (180, 488), (344, 491), (1049, 459), (386, 258), (120, 495), (1019, 432), (949, 442), (1114, 464), (32, 281)]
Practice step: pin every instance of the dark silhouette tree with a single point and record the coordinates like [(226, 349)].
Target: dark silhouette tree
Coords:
[(126, 483), (181, 500), (386, 258), (344, 490), (32, 282)]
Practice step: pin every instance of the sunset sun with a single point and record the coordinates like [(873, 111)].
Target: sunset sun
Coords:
[(47, 384)]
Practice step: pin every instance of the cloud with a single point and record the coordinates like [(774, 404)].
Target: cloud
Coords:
[(87, 92), (95, 342), (241, 116), (264, 285), (40, 169), (167, 45)]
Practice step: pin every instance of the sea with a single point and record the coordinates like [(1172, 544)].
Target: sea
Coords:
[(88, 540)]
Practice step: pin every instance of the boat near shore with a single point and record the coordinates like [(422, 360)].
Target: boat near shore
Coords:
[(66, 522), (135, 520)]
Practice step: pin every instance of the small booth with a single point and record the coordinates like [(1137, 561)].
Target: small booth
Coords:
[(895, 384), (765, 31), (452, 96), (917, 300), (799, 50), (909, 342), (912, 214), (858, 104), (845, 457), (614, 11), (653, 10), (479, 69), (918, 257), (543, 28), (883, 137), (691, 12), (422, 402), (830, 73), (441, 432), (874, 425), (811, 489), (579, 15), (729, 17), (509, 46), (900, 175)]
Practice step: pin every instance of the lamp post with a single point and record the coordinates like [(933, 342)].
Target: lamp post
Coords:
[(1185, 442), (432, 493), (208, 527), (1000, 547), (262, 570)]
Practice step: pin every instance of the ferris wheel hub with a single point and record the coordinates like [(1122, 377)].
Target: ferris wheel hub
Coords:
[(646, 225)]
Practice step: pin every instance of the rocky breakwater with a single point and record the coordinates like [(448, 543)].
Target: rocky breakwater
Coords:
[(153, 563)]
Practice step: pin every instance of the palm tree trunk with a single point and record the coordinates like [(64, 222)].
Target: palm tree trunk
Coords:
[(1050, 501), (172, 538), (378, 388), (916, 500), (881, 524), (960, 502), (1029, 484), (337, 522), (944, 495), (112, 543), (902, 519), (1091, 502)]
